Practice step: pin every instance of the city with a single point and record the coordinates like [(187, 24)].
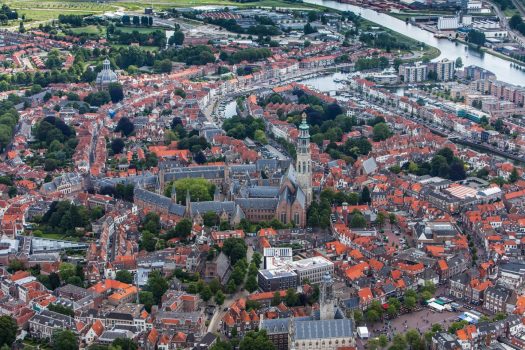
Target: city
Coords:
[(262, 175)]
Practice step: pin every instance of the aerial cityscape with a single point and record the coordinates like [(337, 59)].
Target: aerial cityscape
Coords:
[(262, 175)]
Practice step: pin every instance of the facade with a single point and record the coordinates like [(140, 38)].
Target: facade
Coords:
[(42, 325), (413, 73), (497, 298), (445, 69), (276, 279), (304, 160)]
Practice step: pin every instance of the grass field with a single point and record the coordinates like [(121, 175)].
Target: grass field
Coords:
[(145, 48), (92, 29), (50, 9)]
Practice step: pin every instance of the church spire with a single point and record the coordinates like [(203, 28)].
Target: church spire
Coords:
[(304, 160)]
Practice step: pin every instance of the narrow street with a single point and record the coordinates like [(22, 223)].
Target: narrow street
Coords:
[(219, 311)]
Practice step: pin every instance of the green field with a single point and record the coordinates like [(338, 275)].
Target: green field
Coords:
[(145, 48), (50, 9), (92, 29)]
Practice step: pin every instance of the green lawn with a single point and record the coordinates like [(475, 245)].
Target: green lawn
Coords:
[(91, 29), (163, 4)]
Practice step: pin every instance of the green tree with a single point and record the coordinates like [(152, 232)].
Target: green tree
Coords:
[(365, 196), (381, 132), (276, 300), (459, 62), (124, 276), (117, 145), (183, 228), (66, 270), (9, 328), (64, 340), (514, 176), (260, 137), (372, 316), (115, 92), (251, 284), (291, 298), (206, 293), (219, 298), (157, 285), (199, 189), (146, 298), (15, 265), (358, 220), (256, 341), (124, 344), (409, 302)]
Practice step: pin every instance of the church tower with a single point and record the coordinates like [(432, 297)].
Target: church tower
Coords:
[(304, 160), (326, 298)]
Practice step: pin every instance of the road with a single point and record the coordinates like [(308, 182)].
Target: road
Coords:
[(219, 311), (504, 23)]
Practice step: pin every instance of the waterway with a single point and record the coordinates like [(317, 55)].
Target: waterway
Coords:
[(449, 49), (335, 82)]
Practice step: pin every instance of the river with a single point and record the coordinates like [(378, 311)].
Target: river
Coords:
[(449, 49)]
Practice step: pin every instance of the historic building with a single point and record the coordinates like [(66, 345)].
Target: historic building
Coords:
[(106, 76), (242, 192), (304, 160)]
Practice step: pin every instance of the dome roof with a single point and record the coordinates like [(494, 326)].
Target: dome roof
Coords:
[(106, 75)]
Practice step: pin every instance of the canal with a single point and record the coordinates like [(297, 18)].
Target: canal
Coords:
[(449, 49)]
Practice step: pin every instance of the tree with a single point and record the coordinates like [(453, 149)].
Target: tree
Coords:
[(256, 341), (157, 285), (199, 189), (409, 302), (124, 344), (308, 29), (514, 176), (15, 265), (358, 220), (251, 284), (146, 298), (365, 196), (64, 339), (117, 145), (183, 228), (260, 137), (235, 249), (219, 298), (459, 62), (115, 92), (66, 270), (381, 132), (372, 316), (177, 38), (380, 219), (291, 297), (124, 276), (206, 293), (9, 328), (125, 126), (276, 300)]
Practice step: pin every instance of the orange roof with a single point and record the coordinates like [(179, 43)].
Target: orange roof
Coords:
[(443, 265), (97, 327), (365, 294)]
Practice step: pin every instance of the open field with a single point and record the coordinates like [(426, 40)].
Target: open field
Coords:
[(92, 29), (144, 48), (190, 3)]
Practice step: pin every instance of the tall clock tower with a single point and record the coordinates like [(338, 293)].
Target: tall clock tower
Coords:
[(304, 160)]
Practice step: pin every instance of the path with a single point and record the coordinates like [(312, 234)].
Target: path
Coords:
[(219, 311)]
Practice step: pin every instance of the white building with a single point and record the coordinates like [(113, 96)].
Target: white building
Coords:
[(448, 23), (413, 73)]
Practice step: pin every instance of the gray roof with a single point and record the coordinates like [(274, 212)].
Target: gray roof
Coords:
[(369, 165), (206, 172), (263, 192), (217, 207), (159, 200), (324, 329), (257, 203), (275, 326), (243, 168)]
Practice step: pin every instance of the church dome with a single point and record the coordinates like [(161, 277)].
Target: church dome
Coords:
[(106, 76)]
